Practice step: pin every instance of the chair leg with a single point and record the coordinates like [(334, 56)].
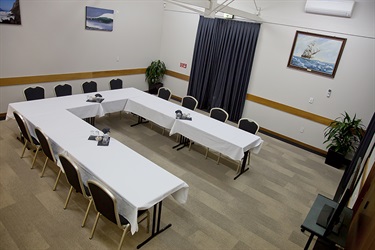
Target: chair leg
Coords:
[(86, 214), (95, 223), (57, 180), (36, 153), (206, 153), (123, 236), (248, 159), (44, 167), (24, 148), (190, 145), (68, 198)]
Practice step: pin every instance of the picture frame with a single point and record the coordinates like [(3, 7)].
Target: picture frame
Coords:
[(314, 53), (99, 19), (10, 12)]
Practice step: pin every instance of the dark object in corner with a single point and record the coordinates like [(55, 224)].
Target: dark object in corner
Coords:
[(153, 88), (334, 159)]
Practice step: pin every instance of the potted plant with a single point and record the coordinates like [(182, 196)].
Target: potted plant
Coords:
[(343, 136), (154, 74)]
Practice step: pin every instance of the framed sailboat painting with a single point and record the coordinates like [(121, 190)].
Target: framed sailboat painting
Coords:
[(319, 54)]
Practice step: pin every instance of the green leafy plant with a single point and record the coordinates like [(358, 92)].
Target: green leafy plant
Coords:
[(155, 72), (344, 133)]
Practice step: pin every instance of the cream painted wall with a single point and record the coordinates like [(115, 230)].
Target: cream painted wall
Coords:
[(52, 40), (353, 88)]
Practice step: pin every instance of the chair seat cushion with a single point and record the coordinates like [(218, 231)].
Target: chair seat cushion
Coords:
[(123, 220), (35, 141)]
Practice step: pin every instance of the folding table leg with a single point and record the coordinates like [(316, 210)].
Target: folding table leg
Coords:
[(243, 167), (155, 219)]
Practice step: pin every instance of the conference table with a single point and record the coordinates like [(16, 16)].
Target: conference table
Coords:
[(218, 136), (136, 182)]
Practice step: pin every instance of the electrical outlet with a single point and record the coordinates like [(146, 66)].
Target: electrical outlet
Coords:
[(311, 100)]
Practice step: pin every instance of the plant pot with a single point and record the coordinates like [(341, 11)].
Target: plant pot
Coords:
[(335, 159), (153, 88)]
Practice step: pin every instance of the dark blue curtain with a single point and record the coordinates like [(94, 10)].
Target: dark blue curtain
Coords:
[(223, 57)]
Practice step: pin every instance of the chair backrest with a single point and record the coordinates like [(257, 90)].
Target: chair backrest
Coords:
[(115, 84), (63, 90), (45, 144), (72, 175), (23, 127), (219, 114), (33, 93), (189, 102), (164, 93), (89, 87), (248, 125), (104, 201)]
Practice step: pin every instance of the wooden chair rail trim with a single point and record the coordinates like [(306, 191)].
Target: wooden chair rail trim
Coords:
[(69, 76), (292, 141), (289, 109), (177, 75)]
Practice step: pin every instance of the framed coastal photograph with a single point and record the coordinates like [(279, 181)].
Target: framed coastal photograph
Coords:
[(316, 53), (10, 12), (99, 19)]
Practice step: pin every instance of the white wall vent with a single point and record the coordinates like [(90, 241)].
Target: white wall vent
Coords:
[(342, 8)]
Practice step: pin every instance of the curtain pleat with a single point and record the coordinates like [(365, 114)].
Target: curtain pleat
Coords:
[(222, 61)]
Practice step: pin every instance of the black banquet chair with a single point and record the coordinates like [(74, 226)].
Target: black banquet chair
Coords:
[(164, 93), (250, 126), (63, 90), (89, 87), (189, 102), (74, 179), (47, 150), (34, 93), (27, 137), (115, 84), (105, 204), (220, 115)]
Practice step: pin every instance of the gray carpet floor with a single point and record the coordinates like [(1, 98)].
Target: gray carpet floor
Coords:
[(262, 209)]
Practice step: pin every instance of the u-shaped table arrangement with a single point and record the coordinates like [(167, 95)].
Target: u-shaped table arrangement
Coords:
[(136, 182)]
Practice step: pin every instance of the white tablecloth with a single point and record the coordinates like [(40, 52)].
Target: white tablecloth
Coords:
[(219, 136), (136, 182), (155, 109)]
